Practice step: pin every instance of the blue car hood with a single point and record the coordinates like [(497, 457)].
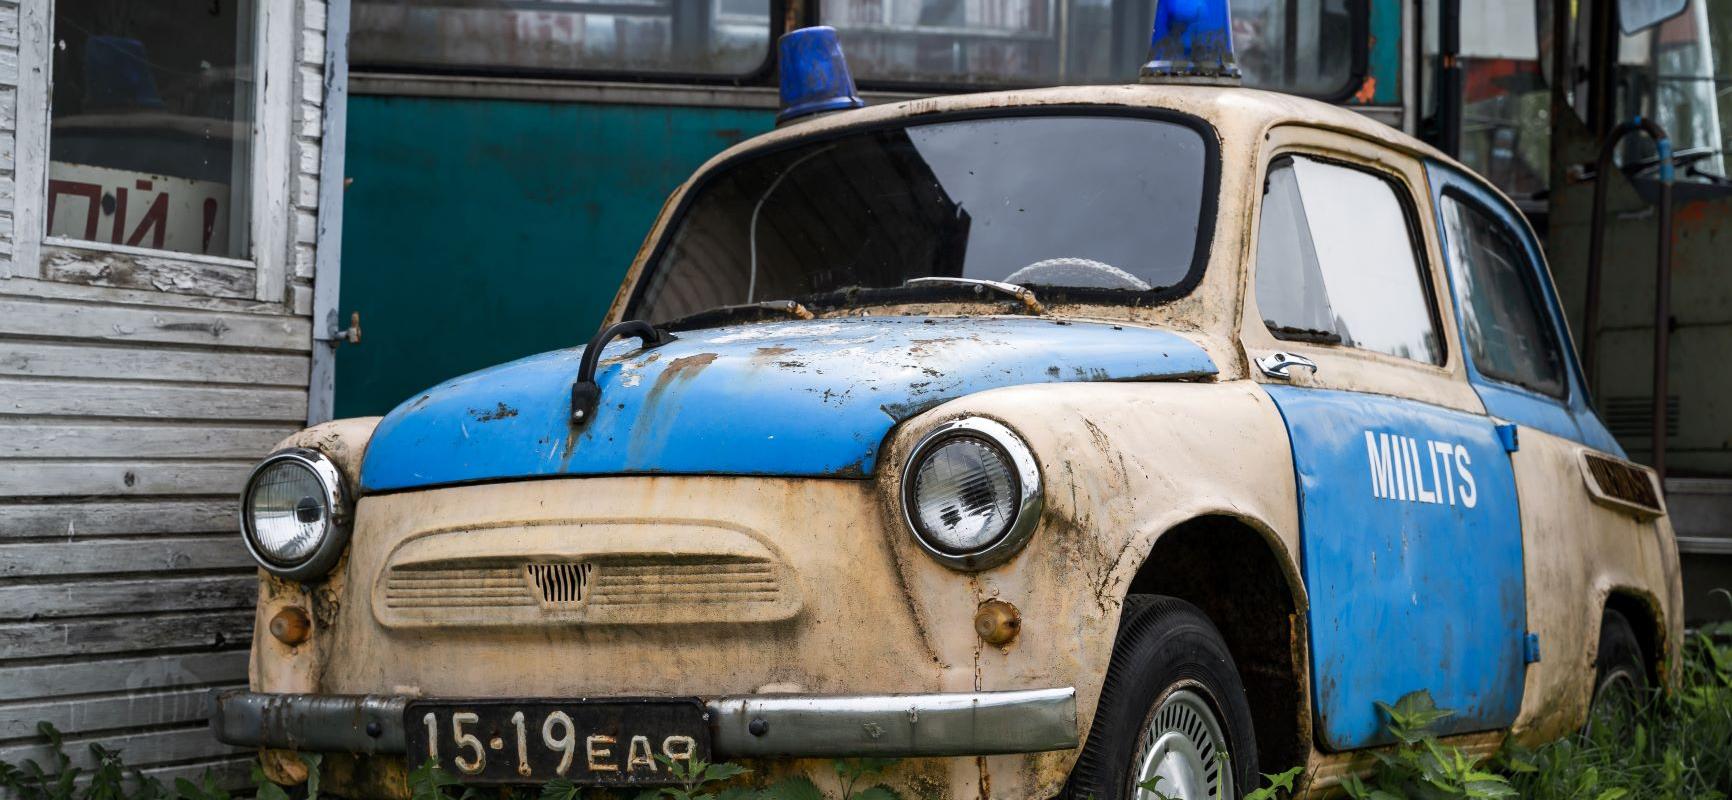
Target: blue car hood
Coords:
[(812, 398)]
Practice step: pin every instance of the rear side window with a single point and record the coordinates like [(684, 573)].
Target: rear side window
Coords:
[(1337, 262), (1508, 335)]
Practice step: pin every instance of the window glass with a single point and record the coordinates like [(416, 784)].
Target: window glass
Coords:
[(1052, 202), (151, 119), (720, 37), (1680, 73), (1301, 46), (1508, 334), (1337, 263), (1506, 104)]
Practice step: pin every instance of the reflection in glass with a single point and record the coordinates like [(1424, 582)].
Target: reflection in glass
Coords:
[(151, 114), (1680, 73), (1109, 203), (1508, 331), (710, 37), (1300, 46), (1336, 262)]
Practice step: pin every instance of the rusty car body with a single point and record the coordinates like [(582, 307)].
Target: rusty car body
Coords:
[(730, 516)]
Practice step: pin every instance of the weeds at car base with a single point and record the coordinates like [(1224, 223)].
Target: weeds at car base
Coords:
[(1667, 747)]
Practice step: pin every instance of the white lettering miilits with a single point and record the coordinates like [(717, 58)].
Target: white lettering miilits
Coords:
[(1398, 470)]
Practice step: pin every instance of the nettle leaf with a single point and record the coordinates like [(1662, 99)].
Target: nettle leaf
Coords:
[(798, 787), (722, 771), (560, 789)]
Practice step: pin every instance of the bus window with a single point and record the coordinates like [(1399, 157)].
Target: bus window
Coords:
[(725, 38), (1680, 73), (1506, 104), (1305, 47)]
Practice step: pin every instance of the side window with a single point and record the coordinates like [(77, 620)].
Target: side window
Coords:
[(1508, 334), (1337, 262)]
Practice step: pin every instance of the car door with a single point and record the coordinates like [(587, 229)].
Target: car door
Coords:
[(1410, 530), (1579, 542)]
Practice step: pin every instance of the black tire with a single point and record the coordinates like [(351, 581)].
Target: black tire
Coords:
[(1620, 674), (1165, 646)]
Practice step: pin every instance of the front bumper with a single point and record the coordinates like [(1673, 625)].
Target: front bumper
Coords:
[(818, 726)]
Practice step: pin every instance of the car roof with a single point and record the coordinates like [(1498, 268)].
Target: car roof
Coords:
[(1233, 111)]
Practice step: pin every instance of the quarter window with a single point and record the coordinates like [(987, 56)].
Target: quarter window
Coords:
[(1501, 311), (1337, 262)]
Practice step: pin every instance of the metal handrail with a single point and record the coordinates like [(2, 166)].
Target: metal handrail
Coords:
[(1662, 273)]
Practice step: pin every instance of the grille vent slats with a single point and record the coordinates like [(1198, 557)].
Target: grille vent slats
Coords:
[(589, 590), (562, 584), (1622, 482), (420, 588), (639, 585)]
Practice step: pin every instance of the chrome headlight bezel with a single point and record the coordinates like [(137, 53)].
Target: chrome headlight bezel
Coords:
[(336, 538), (1028, 497)]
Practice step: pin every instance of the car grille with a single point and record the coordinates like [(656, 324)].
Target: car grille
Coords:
[(621, 590)]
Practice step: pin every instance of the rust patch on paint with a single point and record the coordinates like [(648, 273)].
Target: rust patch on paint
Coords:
[(500, 411)]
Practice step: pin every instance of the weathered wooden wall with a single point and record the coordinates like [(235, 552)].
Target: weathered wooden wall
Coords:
[(132, 404)]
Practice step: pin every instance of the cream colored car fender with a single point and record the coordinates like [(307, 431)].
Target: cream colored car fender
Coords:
[(1122, 464)]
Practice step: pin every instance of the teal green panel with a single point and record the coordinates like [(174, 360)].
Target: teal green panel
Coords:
[(1384, 64), (480, 231)]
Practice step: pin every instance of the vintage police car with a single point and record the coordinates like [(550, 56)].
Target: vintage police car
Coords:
[(1051, 441)]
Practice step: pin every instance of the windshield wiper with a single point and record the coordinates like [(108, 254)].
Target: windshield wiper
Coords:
[(744, 312), (1022, 293)]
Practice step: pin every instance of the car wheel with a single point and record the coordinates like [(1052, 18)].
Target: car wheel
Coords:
[(1172, 707), (1620, 678)]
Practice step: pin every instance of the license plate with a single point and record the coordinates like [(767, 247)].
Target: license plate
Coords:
[(613, 742)]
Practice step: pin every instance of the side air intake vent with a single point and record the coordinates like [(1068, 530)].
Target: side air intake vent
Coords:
[(1621, 484), (561, 584)]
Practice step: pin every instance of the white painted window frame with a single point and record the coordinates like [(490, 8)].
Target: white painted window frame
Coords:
[(276, 30)]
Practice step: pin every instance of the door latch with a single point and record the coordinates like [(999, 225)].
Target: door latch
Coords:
[(1276, 365), (351, 334)]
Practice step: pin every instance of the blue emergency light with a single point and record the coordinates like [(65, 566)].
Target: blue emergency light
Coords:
[(1192, 43), (815, 76)]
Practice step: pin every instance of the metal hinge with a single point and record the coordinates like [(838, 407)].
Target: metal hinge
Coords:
[(1531, 648)]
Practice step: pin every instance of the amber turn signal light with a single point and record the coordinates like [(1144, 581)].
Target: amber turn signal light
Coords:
[(291, 626), (997, 622)]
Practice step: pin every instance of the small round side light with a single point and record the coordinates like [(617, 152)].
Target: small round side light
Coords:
[(291, 626), (997, 622)]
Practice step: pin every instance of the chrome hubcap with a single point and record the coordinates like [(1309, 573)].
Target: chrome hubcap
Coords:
[(1183, 746), (1619, 694)]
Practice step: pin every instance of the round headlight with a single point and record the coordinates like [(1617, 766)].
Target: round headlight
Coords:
[(294, 515), (971, 493)]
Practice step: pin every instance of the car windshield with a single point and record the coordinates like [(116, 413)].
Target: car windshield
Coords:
[(1069, 205)]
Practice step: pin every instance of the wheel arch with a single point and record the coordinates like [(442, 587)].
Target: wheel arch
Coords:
[(1642, 611), (1240, 573)]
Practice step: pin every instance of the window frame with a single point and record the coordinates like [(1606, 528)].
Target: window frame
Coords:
[(1530, 280), (1407, 200), (1207, 219), (276, 31), (763, 74)]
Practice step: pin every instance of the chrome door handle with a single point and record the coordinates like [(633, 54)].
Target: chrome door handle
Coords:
[(1276, 365)]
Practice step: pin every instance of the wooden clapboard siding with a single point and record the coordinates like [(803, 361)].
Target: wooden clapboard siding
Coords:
[(136, 391), (97, 439), (68, 520), (52, 359), (78, 597), (90, 557)]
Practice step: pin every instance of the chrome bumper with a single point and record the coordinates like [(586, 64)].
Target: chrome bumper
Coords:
[(835, 726)]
